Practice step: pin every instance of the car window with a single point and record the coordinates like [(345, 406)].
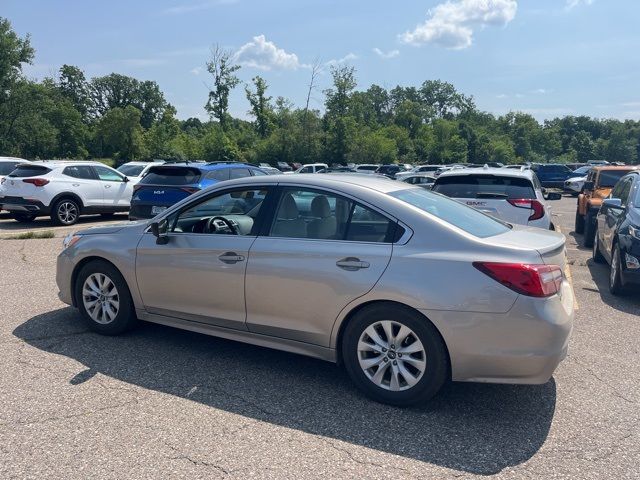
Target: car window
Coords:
[(484, 186), (257, 173), (171, 176), (107, 175), (455, 213), (241, 208), (219, 174), (24, 171), (625, 189), (80, 171), (239, 173), (7, 167), (306, 170), (131, 170), (608, 178), (536, 182), (320, 215)]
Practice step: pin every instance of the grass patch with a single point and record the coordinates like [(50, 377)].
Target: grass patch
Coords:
[(31, 235)]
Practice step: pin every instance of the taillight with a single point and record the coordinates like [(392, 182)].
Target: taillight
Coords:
[(530, 280), (535, 205), (38, 182), (190, 190)]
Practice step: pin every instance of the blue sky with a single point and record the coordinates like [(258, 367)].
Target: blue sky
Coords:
[(545, 57)]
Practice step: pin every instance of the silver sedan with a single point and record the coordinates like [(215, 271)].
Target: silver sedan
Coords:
[(405, 288)]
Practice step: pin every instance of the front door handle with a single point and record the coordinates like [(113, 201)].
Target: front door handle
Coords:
[(352, 264), (231, 257)]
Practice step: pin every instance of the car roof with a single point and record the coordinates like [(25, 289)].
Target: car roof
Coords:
[(64, 163), (13, 159), (615, 167), (205, 166), (497, 172)]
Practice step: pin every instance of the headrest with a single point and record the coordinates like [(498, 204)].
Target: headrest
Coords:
[(288, 208), (320, 207)]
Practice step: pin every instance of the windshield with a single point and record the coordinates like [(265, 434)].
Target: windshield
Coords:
[(582, 170), (7, 167), (484, 186), (608, 178), (131, 170), (466, 218)]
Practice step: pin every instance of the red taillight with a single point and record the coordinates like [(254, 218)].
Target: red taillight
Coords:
[(530, 280), (535, 205), (38, 182), (190, 190)]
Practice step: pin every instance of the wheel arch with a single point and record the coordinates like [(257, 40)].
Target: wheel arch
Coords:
[(347, 318), (71, 195), (80, 265)]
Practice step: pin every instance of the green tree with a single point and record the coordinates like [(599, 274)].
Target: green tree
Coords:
[(338, 103), (222, 69), (14, 51), (73, 86), (120, 134), (261, 108), (218, 147)]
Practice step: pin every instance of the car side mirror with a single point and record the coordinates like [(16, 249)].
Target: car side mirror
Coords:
[(613, 203), (588, 186), (125, 179), (160, 230), (553, 196)]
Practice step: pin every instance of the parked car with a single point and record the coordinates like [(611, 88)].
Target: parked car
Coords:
[(580, 172), (427, 169), (64, 190), (284, 167), (422, 179), (514, 196), (575, 185), (597, 187), (311, 168), (617, 234), (597, 163), (358, 270), (134, 171), (165, 185), (392, 170), (552, 175), (366, 168), (337, 170), (7, 165)]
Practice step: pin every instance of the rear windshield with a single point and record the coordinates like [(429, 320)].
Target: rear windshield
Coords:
[(23, 171), (484, 186), (7, 167), (457, 214), (131, 170), (608, 178), (171, 176)]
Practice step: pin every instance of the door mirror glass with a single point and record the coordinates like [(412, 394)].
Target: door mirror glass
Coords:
[(160, 230), (553, 196), (612, 203)]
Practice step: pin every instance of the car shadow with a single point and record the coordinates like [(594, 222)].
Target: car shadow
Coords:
[(627, 303), (474, 428), (45, 222)]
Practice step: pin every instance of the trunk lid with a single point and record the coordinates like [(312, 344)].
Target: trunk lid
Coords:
[(549, 244)]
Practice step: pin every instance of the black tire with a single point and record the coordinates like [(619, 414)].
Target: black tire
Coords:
[(596, 254), (23, 217), (125, 319), (437, 359), (579, 228), (65, 211), (589, 229), (615, 276)]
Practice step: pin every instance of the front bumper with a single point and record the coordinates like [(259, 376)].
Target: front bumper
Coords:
[(64, 271), (522, 346)]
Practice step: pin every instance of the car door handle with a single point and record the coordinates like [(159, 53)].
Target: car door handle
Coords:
[(231, 257), (107, 186), (75, 184), (352, 264)]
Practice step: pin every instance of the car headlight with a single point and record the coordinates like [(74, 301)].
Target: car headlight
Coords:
[(634, 231), (70, 240)]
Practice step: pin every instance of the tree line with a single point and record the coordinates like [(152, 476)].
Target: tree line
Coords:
[(120, 117)]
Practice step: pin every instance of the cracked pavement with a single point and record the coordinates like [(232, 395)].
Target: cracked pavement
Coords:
[(163, 403)]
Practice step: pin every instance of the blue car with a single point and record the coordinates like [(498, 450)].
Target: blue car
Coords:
[(552, 175), (165, 185)]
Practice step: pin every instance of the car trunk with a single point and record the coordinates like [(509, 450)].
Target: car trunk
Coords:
[(550, 245), (14, 186)]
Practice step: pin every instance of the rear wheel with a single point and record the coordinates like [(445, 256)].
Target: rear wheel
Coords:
[(394, 355), (579, 228), (596, 254), (23, 217), (589, 229), (65, 212), (615, 274)]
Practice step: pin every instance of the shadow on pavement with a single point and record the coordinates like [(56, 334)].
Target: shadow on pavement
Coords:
[(473, 428), (9, 224), (628, 303)]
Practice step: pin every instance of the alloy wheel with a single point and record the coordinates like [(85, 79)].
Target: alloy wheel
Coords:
[(100, 298), (391, 355), (67, 212)]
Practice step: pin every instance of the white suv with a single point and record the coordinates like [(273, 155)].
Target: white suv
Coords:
[(7, 164), (510, 195), (134, 171), (65, 190)]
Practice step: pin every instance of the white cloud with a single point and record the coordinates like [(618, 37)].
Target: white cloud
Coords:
[(541, 91), (196, 70), (451, 24), (347, 58), (385, 55), (196, 7), (265, 55), (574, 3), (502, 95)]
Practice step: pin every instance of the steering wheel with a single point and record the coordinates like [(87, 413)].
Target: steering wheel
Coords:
[(212, 227)]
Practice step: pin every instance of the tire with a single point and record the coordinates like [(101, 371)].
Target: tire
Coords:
[(615, 275), (23, 217), (589, 230), (595, 253), (429, 365), (65, 211), (579, 228), (88, 292)]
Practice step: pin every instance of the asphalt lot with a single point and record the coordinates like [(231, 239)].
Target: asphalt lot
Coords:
[(163, 403)]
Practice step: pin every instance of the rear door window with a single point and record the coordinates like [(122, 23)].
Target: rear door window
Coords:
[(25, 171), (484, 186), (84, 172), (171, 176), (239, 173)]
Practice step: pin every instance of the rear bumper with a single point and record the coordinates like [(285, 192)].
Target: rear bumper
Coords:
[(23, 205), (522, 346)]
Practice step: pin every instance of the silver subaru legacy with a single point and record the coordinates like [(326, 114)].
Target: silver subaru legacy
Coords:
[(404, 287)]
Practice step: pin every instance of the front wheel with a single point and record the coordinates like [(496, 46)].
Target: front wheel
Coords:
[(615, 274), (579, 227), (103, 298), (589, 229), (596, 254), (394, 355)]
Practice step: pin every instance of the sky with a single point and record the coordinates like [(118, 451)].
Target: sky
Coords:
[(546, 57)]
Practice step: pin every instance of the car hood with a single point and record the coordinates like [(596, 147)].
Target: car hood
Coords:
[(577, 179), (114, 228)]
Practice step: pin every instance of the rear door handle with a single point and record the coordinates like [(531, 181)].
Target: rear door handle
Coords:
[(231, 257), (352, 264), (107, 186)]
